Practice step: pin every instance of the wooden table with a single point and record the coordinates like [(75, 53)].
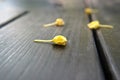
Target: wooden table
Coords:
[(22, 59)]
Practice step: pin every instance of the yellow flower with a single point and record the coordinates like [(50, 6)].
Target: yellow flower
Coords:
[(97, 25), (58, 40), (94, 25), (90, 11), (58, 22)]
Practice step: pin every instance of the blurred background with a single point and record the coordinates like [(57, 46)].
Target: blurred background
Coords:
[(43, 3)]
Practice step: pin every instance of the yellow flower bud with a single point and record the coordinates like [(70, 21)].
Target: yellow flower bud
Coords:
[(58, 22), (94, 25), (58, 40), (97, 25), (90, 11)]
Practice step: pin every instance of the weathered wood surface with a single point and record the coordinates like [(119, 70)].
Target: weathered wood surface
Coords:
[(109, 11), (22, 59)]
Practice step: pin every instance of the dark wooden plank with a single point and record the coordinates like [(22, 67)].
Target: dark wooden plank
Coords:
[(22, 59), (110, 39)]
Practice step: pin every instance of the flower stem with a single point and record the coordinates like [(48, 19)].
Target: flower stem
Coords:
[(42, 40), (106, 26), (51, 24)]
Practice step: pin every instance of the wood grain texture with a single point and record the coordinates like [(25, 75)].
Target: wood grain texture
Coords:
[(22, 59)]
